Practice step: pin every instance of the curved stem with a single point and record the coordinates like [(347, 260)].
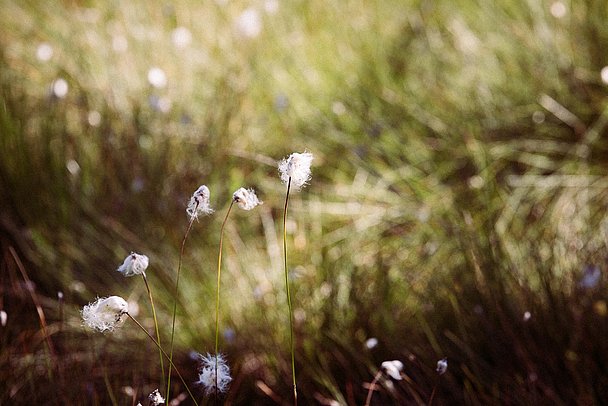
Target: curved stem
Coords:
[(217, 296), (179, 267), (293, 363), (372, 387), (165, 354), (160, 354), (433, 394)]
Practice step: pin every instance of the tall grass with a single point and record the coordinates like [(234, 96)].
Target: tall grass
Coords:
[(459, 195)]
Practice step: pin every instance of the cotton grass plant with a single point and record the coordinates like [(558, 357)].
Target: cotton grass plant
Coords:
[(245, 199), (198, 205), (136, 264), (294, 170), (107, 314), (468, 192)]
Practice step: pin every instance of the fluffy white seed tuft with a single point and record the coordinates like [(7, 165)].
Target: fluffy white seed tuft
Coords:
[(206, 372), (442, 366), (105, 314), (297, 167), (199, 203), (134, 264), (246, 199), (155, 398), (393, 369)]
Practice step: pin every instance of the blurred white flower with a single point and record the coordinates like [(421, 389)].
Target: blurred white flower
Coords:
[(246, 199), (105, 314), (604, 74), (44, 52), (249, 23), (393, 369), (558, 9), (371, 343), (296, 167), (133, 308), (442, 366), (60, 88), (206, 373), (271, 6), (199, 203), (181, 37), (157, 77), (73, 167), (3, 318), (155, 398), (94, 118), (134, 264), (119, 43), (527, 316)]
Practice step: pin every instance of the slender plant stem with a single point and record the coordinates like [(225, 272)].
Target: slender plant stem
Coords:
[(166, 356), (433, 394), (293, 361), (217, 295), (372, 387), (160, 354), (106, 380), (175, 297)]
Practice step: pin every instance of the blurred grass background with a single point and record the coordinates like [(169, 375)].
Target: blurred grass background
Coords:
[(457, 207)]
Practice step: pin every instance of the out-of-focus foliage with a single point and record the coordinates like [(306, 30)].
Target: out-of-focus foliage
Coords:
[(457, 207)]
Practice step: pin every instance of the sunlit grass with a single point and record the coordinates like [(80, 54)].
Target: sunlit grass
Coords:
[(459, 194)]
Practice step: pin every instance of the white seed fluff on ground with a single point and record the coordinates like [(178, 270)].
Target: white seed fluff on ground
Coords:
[(442, 366), (134, 264), (246, 199), (155, 398), (206, 372), (105, 314), (199, 203), (393, 369), (297, 167)]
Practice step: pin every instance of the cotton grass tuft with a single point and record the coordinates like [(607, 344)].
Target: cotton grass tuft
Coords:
[(105, 314), (393, 369), (206, 373), (296, 167), (155, 398), (134, 264), (199, 203), (442, 366), (246, 199)]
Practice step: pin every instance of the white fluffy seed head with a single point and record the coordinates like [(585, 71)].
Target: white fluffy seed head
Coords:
[(199, 203), (442, 366), (134, 264), (297, 167), (155, 398), (206, 373), (393, 369), (246, 199), (105, 314)]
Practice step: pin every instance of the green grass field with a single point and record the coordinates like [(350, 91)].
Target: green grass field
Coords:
[(457, 207)]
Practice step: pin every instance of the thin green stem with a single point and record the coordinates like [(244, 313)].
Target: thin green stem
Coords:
[(166, 356), (160, 354), (217, 296), (175, 297), (293, 361)]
